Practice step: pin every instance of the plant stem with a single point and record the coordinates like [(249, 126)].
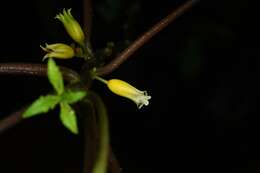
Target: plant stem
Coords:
[(36, 70), (101, 79), (87, 111), (11, 120), (100, 165), (87, 18), (139, 42)]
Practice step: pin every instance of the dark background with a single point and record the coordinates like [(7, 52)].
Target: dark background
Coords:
[(201, 72)]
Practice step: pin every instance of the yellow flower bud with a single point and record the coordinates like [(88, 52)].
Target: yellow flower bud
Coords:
[(58, 50), (72, 26), (124, 89)]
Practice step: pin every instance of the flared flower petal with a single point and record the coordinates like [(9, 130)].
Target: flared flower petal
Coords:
[(124, 89)]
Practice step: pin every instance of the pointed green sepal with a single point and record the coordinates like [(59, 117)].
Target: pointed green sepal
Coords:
[(68, 117)]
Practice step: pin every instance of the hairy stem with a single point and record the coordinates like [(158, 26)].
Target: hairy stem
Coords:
[(35, 70), (139, 42)]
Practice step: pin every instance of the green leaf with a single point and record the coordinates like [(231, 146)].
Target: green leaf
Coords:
[(42, 105), (68, 117), (71, 97), (55, 76)]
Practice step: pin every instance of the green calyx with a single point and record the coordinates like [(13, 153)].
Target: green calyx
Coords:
[(72, 26)]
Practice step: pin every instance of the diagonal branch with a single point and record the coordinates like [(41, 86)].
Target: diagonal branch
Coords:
[(122, 57), (11, 120), (35, 70)]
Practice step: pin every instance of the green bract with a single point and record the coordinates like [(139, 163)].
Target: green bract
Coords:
[(55, 76), (42, 105), (63, 97)]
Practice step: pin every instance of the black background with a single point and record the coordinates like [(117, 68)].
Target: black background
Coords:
[(201, 72)]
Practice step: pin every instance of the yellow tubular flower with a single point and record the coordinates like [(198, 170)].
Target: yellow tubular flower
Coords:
[(124, 89), (58, 50), (72, 26)]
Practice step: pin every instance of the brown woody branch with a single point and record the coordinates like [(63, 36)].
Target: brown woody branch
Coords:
[(90, 136), (11, 120), (87, 18), (35, 70), (139, 42)]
